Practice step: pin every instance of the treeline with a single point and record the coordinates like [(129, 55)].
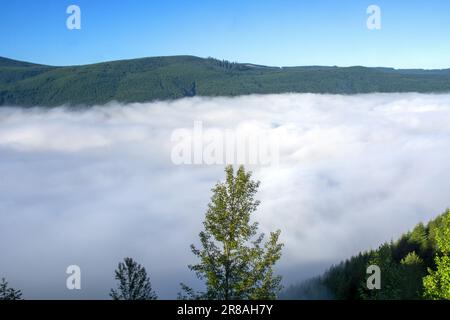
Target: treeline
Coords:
[(166, 78), (228, 65), (416, 266)]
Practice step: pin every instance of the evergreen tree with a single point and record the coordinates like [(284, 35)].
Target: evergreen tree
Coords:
[(390, 276), (7, 293), (412, 271), (235, 262), (419, 238), (133, 282), (437, 283)]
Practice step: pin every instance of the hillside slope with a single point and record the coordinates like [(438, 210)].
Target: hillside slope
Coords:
[(403, 265), (160, 78)]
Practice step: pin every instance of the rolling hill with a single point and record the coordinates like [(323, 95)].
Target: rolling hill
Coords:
[(160, 78)]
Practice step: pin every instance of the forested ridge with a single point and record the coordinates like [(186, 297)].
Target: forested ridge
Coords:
[(162, 78)]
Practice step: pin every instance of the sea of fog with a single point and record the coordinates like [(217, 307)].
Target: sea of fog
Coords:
[(91, 186)]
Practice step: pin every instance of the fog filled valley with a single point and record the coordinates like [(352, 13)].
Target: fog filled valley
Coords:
[(90, 186)]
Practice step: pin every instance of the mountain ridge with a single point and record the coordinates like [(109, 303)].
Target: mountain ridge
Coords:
[(170, 77)]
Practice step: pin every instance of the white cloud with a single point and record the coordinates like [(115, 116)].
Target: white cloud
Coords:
[(89, 187)]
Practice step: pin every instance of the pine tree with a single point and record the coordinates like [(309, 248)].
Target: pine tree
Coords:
[(390, 276), (7, 293), (437, 283), (419, 238), (235, 262), (412, 270), (134, 284)]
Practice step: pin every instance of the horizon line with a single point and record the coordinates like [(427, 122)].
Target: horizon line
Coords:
[(210, 57)]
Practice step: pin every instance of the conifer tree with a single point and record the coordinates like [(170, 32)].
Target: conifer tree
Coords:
[(133, 282), (7, 293)]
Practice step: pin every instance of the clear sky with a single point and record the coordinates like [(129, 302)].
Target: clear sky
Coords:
[(414, 33)]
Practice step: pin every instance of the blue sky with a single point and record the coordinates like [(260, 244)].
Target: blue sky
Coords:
[(414, 34)]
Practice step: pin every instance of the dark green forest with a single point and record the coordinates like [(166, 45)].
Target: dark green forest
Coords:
[(161, 78), (404, 265)]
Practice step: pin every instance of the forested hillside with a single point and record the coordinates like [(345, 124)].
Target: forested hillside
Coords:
[(160, 78), (404, 264)]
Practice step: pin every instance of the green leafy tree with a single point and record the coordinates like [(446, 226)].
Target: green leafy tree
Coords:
[(7, 293), (133, 282), (235, 262), (437, 282)]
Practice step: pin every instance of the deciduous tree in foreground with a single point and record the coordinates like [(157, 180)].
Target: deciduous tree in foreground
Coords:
[(133, 282), (437, 283), (235, 261)]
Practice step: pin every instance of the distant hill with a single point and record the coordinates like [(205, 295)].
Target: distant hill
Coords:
[(5, 62), (160, 78)]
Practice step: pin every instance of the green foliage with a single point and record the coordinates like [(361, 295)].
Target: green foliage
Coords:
[(399, 281), (133, 282), (7, 293), (235, 262), (419, 236), (403, 266), (344, 280), (160, 78), (412, 271), (437, 283), (391, 276)]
